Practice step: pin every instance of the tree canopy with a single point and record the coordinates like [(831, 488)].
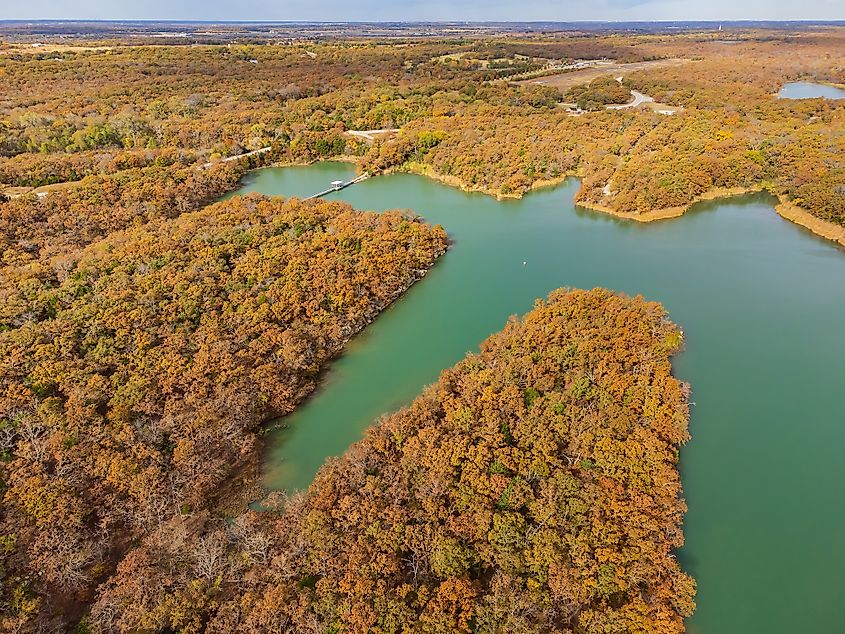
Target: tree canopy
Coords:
[(533, 488), (134, 381)]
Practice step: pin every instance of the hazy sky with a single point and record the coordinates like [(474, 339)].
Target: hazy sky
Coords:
[(363, 10)]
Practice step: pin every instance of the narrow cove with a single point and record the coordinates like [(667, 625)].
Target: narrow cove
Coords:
[(761, 303)]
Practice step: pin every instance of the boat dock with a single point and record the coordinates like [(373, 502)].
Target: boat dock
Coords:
[(336, 186)]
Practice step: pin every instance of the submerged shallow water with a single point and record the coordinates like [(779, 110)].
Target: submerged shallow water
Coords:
[(761, 302)]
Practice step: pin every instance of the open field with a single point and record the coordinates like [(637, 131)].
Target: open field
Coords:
[(38, 47), (565, 81), (14, 192)]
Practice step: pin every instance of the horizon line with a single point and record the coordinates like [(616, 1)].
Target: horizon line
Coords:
[(432, 21)]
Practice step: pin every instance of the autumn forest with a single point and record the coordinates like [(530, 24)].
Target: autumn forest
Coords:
[(151, 327)]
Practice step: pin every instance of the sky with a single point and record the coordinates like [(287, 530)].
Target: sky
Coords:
[(410, 10)]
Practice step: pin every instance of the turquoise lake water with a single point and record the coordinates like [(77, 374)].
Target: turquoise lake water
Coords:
[(761, 302)]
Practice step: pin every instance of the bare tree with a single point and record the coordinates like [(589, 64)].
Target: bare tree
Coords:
[(209, 558), (33, 438)]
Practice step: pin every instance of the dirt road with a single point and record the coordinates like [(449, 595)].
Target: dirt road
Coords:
[(565, 81)]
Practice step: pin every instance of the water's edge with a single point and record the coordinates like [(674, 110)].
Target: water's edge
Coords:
[(759, 299)]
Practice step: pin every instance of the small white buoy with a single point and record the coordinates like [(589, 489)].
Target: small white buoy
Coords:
[(524, 263)]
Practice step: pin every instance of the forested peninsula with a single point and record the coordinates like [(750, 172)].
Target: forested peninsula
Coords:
[(136, 374), (533, 488)]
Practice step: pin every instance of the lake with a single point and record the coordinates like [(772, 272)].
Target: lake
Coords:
[(761, 302), (810, 90)]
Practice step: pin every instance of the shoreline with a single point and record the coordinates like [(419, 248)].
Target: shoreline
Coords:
[(254, 474), (421, 169), (822, 228), (645, 217), (826, 83), (665, 213), (785, 209)]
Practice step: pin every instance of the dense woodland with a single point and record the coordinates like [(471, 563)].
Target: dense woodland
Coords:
[(135, 377), (74, 112), (599, 93), (533, 488), (732, 133), (145, 336), (35, 228)]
